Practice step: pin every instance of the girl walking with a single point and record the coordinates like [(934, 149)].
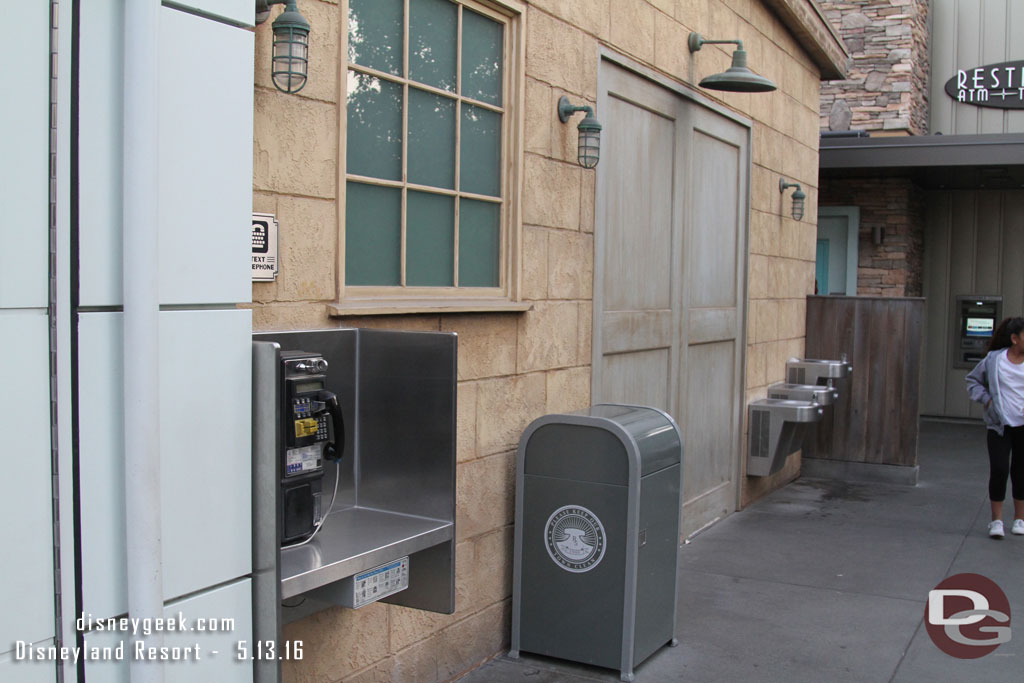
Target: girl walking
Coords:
[(997, 382)]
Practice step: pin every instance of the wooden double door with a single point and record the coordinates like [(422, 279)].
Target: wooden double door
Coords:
[(670, 275)]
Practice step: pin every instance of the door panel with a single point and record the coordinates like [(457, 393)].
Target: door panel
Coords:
[(639, 378), (711, 390), (669, 277), (713, 206), (710, 383), (712, 324), (643, 146), (636, 280)]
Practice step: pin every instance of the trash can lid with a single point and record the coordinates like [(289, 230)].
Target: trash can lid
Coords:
[(601, 444)]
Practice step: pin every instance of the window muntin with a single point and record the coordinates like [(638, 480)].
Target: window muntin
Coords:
[(426, 142)]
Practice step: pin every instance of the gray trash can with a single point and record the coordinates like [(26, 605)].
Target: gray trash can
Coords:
[(597, 535)]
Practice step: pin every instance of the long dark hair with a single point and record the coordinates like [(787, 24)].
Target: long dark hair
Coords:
[(1001, 337)]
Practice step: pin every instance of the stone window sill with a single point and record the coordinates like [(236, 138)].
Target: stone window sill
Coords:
[(421, 306)]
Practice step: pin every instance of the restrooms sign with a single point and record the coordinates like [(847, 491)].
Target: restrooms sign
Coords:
[(995, 85)]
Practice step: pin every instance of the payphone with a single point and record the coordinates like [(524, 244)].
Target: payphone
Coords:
[(976, 319), (314, 431)]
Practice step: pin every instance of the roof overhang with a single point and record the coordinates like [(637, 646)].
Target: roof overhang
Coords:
[(938, 161), (815, 34)]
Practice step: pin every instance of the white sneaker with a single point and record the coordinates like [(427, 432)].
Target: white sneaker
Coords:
[(995, 529), (1018, 527)]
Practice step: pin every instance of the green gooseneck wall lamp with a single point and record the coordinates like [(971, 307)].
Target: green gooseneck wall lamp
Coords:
[(737, 78), (798, 198), (590, 132), (289, 61)]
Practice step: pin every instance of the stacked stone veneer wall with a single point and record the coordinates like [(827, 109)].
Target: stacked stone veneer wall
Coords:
[(895, 205), (888, 85), (515, 367)]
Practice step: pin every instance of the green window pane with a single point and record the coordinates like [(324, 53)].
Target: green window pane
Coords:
[(431, 139), (373, 235), (479, 238), (482, 48), (375, 34), (374, 127), (433, 42), (429, 240), (480, 156)]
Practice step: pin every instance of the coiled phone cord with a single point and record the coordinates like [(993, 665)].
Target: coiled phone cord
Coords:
[(323, 519)]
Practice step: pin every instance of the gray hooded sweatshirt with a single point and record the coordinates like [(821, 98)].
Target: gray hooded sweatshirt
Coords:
[(983, 386)]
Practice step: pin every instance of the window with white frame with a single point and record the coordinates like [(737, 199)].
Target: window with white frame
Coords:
[(429, 150)]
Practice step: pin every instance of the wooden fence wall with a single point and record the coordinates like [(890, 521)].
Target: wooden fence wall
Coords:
[(875, 419)]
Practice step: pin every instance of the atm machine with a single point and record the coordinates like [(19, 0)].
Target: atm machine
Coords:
[(975, 319)]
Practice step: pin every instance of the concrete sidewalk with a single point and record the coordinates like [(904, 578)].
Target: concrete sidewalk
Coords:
[(828, 581)]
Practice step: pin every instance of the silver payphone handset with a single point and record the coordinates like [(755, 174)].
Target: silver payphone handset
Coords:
[(314, 431)]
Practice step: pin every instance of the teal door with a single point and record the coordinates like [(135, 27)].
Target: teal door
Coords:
[(837, 228), (821, 268)]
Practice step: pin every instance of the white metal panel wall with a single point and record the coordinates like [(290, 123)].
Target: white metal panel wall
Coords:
[(206, 105), (101, 464), (204, 448), (237, 11), (27, 672), (100, 123), (217, 650), (26, 535), (968, 34), (206, 101), (205, 166), (27, 588), (24, 161)]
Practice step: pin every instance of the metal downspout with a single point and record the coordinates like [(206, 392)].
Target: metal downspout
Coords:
[(141, 324)]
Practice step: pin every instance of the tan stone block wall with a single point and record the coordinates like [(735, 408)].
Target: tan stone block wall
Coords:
[(515, 367)]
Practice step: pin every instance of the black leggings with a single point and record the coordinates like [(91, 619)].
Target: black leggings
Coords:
[(999, 448)]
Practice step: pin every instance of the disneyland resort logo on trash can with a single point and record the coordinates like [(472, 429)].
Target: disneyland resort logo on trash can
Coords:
[(967, 616), (574, 537)]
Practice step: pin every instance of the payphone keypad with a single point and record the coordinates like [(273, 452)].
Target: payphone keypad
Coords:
[(321, 428)]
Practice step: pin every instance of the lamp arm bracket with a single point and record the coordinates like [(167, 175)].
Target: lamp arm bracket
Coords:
[(566, 109), (696, 41), (263, 8)]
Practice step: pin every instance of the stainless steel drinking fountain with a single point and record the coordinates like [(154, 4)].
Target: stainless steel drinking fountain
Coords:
[(776, 430), (823, 395), (813, 371), (779, 424)]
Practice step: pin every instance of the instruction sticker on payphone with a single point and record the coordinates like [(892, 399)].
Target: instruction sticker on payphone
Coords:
[(314, 431)]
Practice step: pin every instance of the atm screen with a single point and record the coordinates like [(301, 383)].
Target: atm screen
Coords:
[(980, 327)]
